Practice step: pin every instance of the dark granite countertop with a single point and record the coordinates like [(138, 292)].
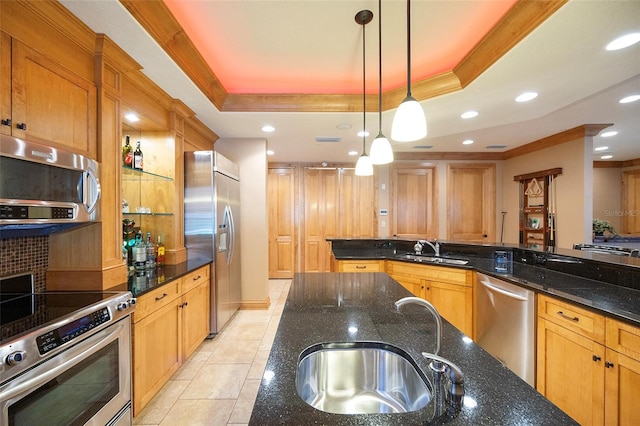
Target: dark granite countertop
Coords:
[(321, 307), (579, 279), (144, 281)]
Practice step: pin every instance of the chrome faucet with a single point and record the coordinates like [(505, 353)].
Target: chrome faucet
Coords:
[(430, 308), (454, 394), (420, 244)]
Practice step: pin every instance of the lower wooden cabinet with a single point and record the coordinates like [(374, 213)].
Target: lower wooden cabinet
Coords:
[(360, 266), (169, 323), (588, 365)]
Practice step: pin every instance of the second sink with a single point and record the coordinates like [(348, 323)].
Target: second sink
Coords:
[(433, 259), (361, 378)]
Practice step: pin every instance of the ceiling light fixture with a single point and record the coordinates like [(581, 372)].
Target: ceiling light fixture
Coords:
[(469, 114), (601, 148), (132, 117), (268, 128), (629, 99), (381, 152), (526, 96), (623, 41), (270, 152), (606, 157), (609, 134), (409, 123), (467, 142), (364, 167)]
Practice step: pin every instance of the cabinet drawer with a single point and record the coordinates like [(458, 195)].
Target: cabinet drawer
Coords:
[(448, 275), (406, 269), (195, 278), (361, 266), (572, 317), (623, 338), (156, 299)]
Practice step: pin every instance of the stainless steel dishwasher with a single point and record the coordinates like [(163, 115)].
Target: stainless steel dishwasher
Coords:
[(505, 324)]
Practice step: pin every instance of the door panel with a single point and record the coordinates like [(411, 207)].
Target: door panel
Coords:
[(631, 202), (281, 197), (413, 201)]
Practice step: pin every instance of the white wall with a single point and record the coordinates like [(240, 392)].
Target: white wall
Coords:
[(251, 157)]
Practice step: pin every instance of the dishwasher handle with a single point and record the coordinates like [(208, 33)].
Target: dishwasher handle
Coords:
[(507, 293)]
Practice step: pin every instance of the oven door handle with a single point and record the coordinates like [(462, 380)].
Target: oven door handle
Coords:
[(80, 353)]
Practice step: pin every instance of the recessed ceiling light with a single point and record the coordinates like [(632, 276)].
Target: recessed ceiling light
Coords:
[(363, 133), (469, 114), (343, 126), (609, 134), (624, 41), (606, 157), (132, 117), (526, 96), (268, 128), (270, 152), (352, 153), (467, 142), (629, 99), (601, 148)]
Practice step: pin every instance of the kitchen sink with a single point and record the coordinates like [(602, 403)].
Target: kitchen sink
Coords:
[(361, 378), (433, 259)]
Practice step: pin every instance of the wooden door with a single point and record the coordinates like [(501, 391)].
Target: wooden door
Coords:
[(282, 229), (622, 384), (5, 83), (570, 372), (471, 205), (358, 203), (54, 104), (453, 302), (631, 202), (413, 210), (320, 187), (195, 318)]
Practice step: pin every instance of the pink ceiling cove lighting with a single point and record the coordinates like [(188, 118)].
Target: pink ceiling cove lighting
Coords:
[(308, 47)]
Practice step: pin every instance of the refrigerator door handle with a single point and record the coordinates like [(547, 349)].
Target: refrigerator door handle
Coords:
[(232, 234)]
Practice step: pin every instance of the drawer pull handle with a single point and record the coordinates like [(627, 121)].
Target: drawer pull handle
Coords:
[(196, 278), (565, 316), (361, 267), (608, 364), (596, 358), (182, 305), (161, 297)]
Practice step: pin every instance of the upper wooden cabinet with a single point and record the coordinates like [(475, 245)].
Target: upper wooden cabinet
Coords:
[(43, 101)]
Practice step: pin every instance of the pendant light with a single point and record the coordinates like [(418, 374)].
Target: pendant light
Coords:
[(381, 152), (364, 167), (409, 123)]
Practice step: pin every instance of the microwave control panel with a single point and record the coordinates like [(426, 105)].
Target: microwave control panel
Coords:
[(13, 211)]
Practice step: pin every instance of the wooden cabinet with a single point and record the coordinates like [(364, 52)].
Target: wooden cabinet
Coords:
[(45, 101), (169, 323), (282, 231), (449, 290), (361, 266), (588, 365), (537, 207)]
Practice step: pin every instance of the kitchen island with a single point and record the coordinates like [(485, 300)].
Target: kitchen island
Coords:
[(348, 307)]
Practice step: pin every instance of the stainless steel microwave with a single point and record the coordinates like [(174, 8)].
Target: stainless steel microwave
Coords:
[(45, 185)]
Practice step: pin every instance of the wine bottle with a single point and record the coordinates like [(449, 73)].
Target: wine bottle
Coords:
[(139, 252), (137, 157), (127, 152), (159, 251)]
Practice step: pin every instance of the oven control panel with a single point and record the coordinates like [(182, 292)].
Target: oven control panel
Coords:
[(66, 333)]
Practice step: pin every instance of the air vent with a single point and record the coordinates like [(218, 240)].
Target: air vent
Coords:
[(327, 139), (496, 146), (423, 146)]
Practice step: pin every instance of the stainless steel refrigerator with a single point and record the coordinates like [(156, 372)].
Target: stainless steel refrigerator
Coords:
[(212, 227)]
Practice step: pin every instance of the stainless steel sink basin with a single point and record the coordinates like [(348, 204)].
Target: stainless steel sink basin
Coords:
[(361, 378), (433, 259)]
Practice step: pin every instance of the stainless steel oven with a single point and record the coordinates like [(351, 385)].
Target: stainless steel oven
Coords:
[(75, 368)]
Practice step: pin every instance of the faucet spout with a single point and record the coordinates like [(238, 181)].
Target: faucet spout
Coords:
[(455, 392), (430, 308), (435, 246)]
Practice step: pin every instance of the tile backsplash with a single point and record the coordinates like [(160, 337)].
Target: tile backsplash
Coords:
[(25, 254)]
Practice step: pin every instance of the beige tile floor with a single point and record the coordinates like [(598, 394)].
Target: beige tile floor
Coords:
[(218, 384)]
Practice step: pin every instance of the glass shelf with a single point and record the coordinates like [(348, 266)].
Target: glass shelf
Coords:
[(135, 174), (147, 214)]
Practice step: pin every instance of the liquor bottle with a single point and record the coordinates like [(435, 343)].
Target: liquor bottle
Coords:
[(139, 252), (137, 157), (160, 251), (151, 252), (127, 152)]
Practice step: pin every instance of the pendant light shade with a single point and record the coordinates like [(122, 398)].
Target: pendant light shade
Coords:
[(364, 166), (381, 152), (409, 123)]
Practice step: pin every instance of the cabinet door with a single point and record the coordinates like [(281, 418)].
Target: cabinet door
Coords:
[(195, 318), (453, 302), (361, 266), (282, 236), (5, 83), (571, 372), (320, 218), (622, 381), (156, 352), (413, 201), (53, 103)]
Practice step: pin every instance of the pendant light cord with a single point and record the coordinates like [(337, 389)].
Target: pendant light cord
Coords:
[(408, 47), (379, 66), (364, 93)]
